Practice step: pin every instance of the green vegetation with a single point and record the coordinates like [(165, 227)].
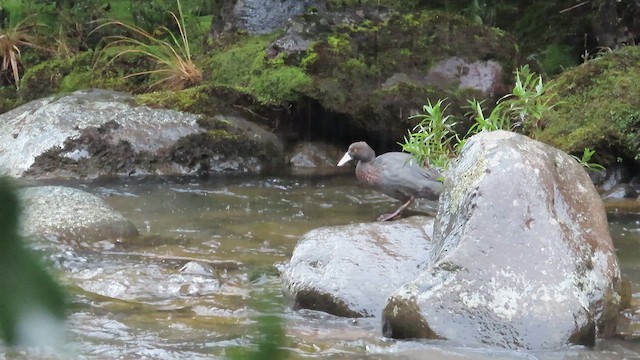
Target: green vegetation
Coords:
[(246, 67), (433, 142), (31, 302), (599, 108), (523, 108), (371, 68), (176, 67), (585, 160)]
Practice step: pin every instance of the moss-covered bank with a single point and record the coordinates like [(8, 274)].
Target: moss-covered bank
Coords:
[(599, 107)]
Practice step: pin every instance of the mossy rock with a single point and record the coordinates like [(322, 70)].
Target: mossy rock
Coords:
[(598, 106), (212, 100), (83, 71), (376, 68), (247, 67)]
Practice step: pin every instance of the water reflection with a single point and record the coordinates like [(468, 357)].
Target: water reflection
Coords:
[(184, 288)]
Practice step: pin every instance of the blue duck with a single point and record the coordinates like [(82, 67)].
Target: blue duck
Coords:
[(395, 174)]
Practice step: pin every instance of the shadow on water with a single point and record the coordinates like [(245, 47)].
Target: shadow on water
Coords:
[(186, 287)]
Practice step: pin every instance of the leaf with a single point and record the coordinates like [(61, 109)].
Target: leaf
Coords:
[(31, 302)]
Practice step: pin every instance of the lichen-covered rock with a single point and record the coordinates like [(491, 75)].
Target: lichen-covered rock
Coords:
[(522, 255), (70, 216), (92, 133), (350, 270)]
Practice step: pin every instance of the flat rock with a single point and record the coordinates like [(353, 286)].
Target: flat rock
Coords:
[(94, 133), (350, 270)]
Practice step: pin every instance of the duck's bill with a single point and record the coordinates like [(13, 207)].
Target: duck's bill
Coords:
[(345, 159)]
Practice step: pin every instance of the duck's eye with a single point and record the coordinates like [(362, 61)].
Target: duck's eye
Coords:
[(355, 150)]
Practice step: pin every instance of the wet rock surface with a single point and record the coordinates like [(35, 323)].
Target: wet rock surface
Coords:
[(93, 133), (522, 255), (315, 158), (350, 270), (71, 216), (620, 191)]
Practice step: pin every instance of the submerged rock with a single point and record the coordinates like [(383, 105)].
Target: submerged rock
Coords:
[(71, 216), (92, 133), (350, 270), (522, 255)]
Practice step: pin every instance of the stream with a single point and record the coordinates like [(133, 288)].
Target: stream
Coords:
[(186, 288)]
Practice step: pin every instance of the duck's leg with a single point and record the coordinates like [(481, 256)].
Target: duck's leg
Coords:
[(385, 217)]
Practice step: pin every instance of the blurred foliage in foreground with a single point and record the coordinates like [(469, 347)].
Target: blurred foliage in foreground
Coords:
[(270, 342), (31, 302)]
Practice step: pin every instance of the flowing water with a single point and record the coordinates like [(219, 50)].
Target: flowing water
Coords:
[(186, 288)]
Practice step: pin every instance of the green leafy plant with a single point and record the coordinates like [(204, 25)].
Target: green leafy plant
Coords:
[(432, 141), (175, 64), (31, 302), (495, 121), (523, 108), (528, 102), (585, 160), (11, 40)]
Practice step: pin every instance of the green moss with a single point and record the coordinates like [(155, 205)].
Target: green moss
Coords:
[(280, 84), (80, 72), (599, 107), (75, 81), (339, 44), (555, 58), (219, 134), (355, 69), (246, 67), (309, 59), (188, 100), (46, 78)]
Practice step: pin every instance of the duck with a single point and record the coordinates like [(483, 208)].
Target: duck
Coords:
[(395, 174)]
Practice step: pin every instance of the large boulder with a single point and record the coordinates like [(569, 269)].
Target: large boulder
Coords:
[(92, 133), (66, 215), (377, 68), (522, 255), (350, 270)]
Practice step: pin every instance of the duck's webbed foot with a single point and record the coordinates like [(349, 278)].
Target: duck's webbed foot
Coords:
[(386, 217)]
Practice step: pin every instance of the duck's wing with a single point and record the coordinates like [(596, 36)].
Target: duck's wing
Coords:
[(400, 173)]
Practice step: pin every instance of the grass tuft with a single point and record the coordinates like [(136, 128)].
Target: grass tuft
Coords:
[(176, 68)]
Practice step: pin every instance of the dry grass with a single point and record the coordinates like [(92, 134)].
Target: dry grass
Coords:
[(11, 40), (175, 66)]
